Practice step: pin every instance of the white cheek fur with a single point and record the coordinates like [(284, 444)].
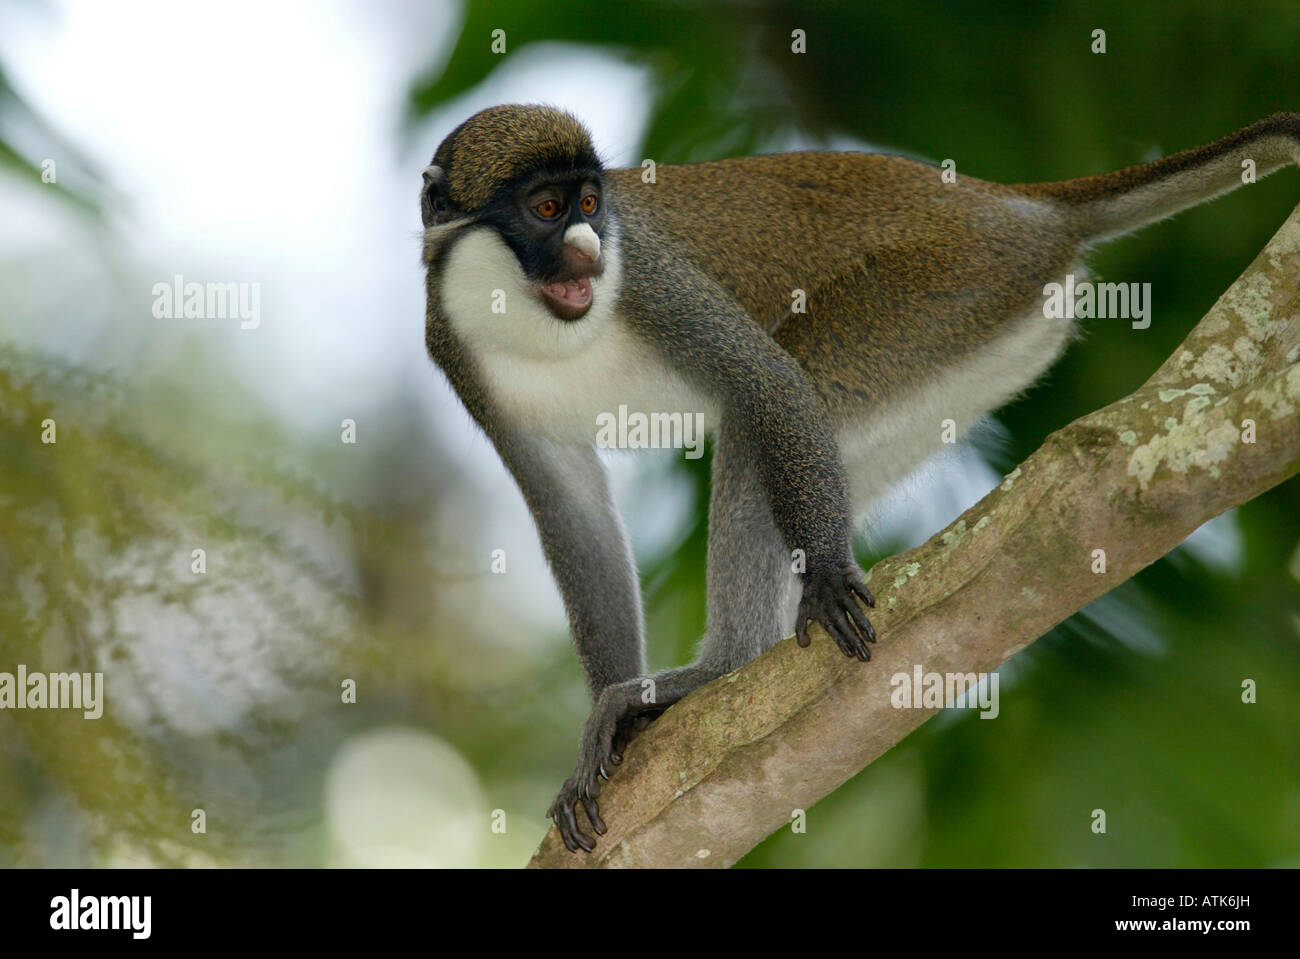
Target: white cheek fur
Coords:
[(550, 376), (494, 308)]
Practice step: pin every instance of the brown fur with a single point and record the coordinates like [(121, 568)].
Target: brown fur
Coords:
[(500, 144), (1104, 185), (903, 273)]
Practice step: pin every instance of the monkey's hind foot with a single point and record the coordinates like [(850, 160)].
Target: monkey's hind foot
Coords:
[(618, 718), (562, 814)]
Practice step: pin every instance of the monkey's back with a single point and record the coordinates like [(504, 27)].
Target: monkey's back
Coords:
[(900, 270)]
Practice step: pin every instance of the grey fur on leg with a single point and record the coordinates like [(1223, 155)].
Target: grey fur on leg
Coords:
[(750, 577)]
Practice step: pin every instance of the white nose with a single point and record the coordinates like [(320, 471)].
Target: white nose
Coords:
[(583, 239)]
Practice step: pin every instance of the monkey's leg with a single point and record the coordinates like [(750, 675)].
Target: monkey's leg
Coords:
[(751, 581), (751, 589)]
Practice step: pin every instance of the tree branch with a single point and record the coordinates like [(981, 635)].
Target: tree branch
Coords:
[(727, 765)]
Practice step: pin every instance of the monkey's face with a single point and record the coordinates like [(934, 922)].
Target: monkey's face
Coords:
[(554, 225), (530, 174)]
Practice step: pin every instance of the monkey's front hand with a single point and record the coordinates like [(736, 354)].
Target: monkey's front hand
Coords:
[(834, 598), (614, 722)]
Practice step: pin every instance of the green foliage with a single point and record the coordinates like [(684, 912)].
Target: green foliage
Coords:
[(222, 687), (96, 532)]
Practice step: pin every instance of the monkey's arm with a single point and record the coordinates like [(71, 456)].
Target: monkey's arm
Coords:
[(567, 491), (586, 546), (780, 420), (582, 535)]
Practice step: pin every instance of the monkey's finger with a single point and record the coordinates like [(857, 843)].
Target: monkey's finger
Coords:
[(562, 814), (801, 628), (629, 731), (838, 629), (581, 838), (862, 593), (589, 787), (621, 740), (616, 748), (606, 761), (849, 641), (593, 813), (570, 831), (861, 621), (857, 637), (569, 842)]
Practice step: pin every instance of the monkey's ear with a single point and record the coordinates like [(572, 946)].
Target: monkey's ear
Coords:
[(435, 206)]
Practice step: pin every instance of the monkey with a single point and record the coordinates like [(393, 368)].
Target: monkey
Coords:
[(558, 290)]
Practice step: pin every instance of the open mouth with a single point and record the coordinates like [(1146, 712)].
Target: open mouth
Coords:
[(568, 299)]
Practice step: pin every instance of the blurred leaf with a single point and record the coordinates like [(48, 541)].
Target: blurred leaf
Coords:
[(14, 108)]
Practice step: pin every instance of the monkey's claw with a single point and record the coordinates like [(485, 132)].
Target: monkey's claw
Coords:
[(603, 740), (562, 814), (835, 600), (613, 724)]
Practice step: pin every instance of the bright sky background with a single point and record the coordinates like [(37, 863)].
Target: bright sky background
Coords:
[(262, 142), (258, 142)]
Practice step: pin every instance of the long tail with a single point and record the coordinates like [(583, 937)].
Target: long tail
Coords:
[(1114, 203)]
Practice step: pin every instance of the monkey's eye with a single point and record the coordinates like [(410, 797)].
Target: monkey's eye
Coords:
[(589, 204), (547, 209)]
